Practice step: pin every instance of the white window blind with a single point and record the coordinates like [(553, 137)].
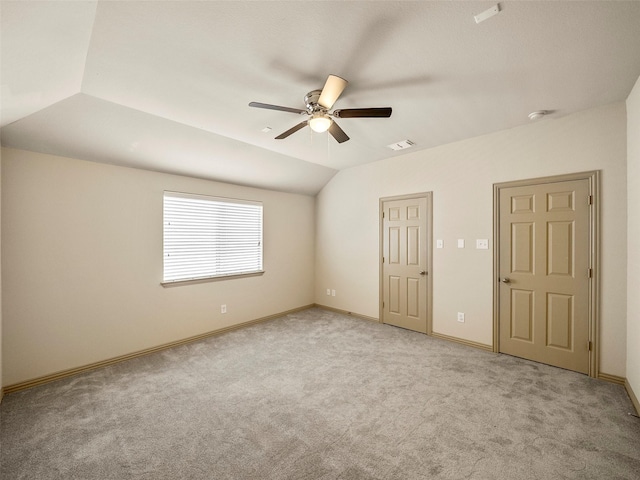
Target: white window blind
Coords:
[(207, 237)]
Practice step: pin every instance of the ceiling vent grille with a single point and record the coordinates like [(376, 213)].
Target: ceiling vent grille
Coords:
[(402, 145)]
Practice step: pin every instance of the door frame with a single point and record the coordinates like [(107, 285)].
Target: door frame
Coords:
[(429, 239), (594, 256)]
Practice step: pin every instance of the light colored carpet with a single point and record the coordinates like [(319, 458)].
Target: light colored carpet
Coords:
[(319, 395)]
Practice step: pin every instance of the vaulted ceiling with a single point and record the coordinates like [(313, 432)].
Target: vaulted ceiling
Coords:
[(166, 85)]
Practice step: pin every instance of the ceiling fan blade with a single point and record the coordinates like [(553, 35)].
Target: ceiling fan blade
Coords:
[(363, 112), (332, 89), (276, 107), (292, 130), (337, 133)]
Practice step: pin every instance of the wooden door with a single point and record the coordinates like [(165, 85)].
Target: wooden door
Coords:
[(405, 263), (544, 273)]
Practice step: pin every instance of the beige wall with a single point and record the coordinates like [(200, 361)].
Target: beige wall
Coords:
[(1, 363), (82, 263), (461, 176), (633, 239)]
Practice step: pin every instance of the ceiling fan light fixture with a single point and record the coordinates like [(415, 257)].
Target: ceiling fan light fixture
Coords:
[(320, 123)]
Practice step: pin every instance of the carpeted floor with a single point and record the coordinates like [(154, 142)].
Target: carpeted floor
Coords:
[(318, 395)]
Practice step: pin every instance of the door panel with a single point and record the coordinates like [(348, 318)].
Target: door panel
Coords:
[(522, 315), (560, 248), (405, 263), (544, 232), (394, 246), (413, 246), (560, 321), (522, 250), (522, 204), (413, 298), (394, 295)]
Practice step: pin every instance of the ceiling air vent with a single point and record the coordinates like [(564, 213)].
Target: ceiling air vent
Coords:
[(481, 17), (403, 145)]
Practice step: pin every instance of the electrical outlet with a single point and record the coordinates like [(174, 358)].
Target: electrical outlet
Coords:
[(328, 291), (223, 309), (333, 293), (461, 317), (461, 243)]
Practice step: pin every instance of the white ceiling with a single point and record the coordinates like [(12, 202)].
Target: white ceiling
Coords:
[(166, 85)]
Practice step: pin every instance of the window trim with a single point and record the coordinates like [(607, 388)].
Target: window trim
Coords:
[(211, 278), (217, 278)]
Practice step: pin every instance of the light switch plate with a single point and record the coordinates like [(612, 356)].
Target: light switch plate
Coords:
[(461, 243), (482, 243), (439, 243)]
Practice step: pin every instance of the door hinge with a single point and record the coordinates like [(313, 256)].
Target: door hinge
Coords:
[(382, 304), (382, 259), (590, 273), (590, 199), (382, 214), (589, 345)]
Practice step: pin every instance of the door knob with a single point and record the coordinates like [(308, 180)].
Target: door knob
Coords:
[(505, 280), (423, 272)]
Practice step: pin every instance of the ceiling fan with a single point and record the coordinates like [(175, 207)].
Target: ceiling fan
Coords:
[(319, 104)]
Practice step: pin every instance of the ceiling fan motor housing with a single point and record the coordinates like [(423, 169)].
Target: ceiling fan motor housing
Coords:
[(311, 101)]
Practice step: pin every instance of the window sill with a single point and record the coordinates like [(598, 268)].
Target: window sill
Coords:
[(178, 283)]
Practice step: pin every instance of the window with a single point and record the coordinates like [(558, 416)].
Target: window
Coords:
[(210, 237)]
